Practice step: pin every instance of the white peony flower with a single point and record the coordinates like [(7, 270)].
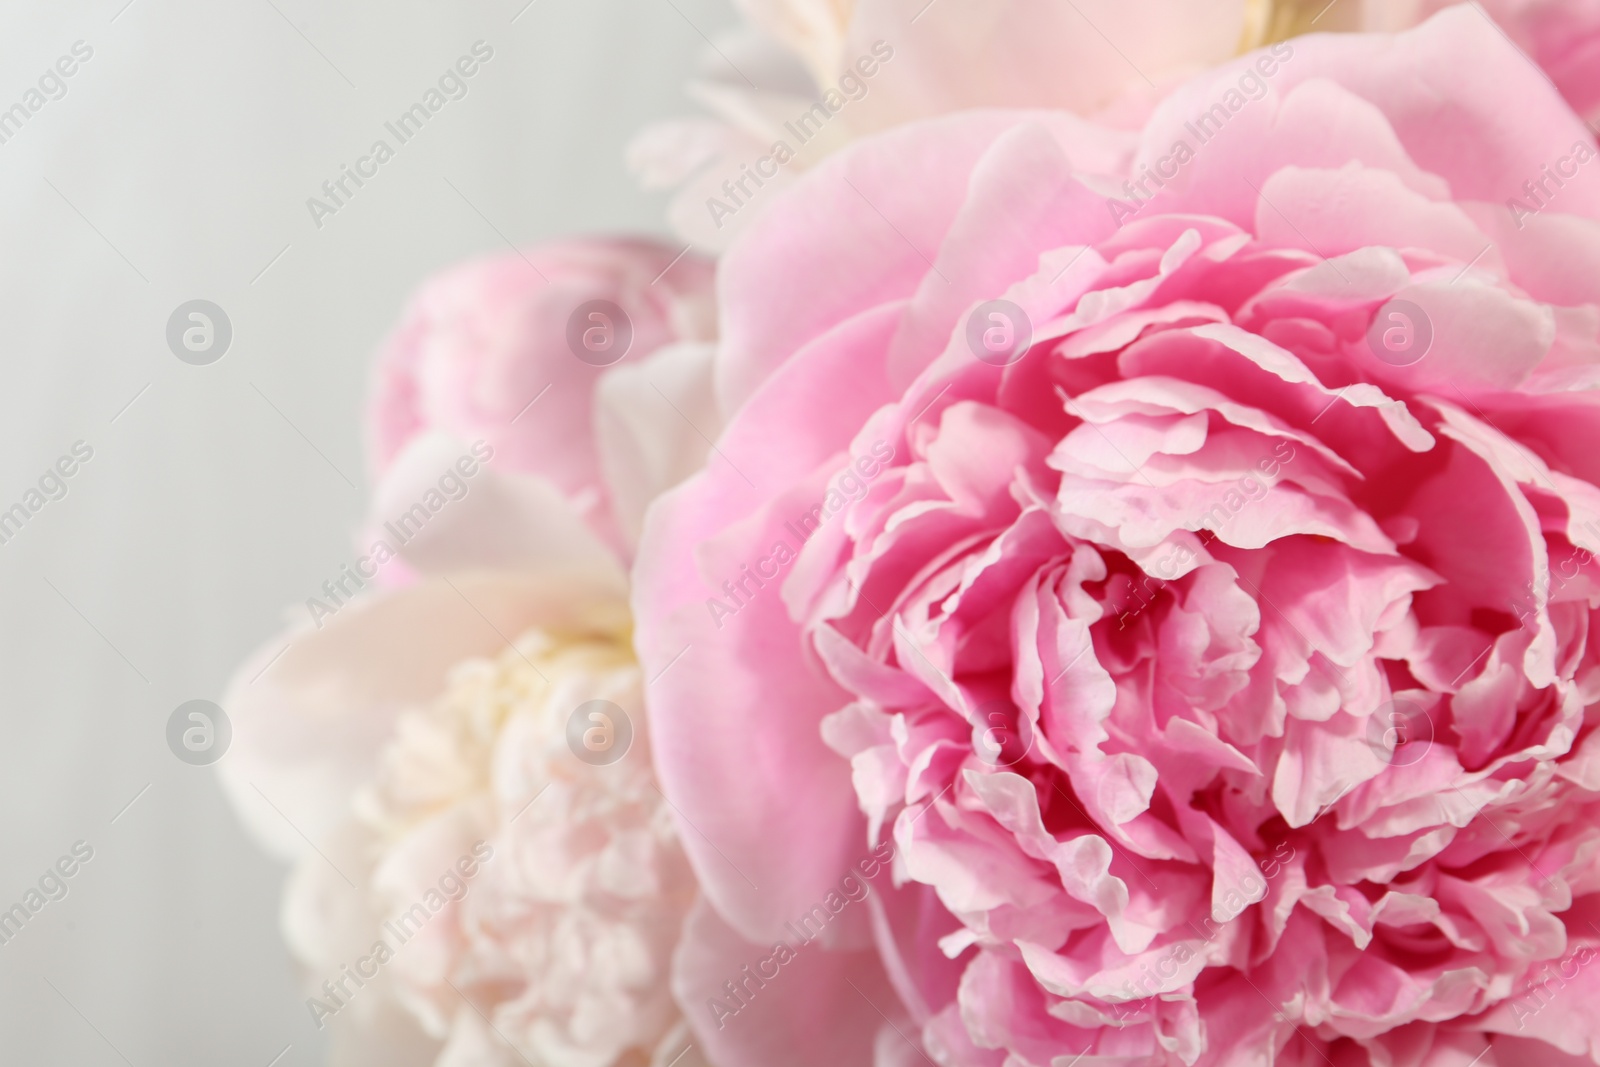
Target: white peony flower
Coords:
[(476, 881)]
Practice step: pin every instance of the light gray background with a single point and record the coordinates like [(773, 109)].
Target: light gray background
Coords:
[(190, 142)]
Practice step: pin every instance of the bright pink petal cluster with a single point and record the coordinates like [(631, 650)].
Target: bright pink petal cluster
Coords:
[(1176, 549)]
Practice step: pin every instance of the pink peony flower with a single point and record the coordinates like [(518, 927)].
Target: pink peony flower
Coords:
[(1177, 548), (483, 341), (467, 890)]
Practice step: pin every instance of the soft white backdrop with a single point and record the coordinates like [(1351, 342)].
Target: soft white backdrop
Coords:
[(177, 166)]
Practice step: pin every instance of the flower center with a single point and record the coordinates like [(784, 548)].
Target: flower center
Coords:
[(444, 755), (1269, 21)]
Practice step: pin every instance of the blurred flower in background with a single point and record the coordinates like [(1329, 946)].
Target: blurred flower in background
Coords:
[(424, 727), (1111, 60)]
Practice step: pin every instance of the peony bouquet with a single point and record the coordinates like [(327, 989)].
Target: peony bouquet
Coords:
[(1083, 554)]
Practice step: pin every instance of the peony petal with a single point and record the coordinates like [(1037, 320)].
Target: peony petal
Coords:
[(799, 1006), (655, 421)]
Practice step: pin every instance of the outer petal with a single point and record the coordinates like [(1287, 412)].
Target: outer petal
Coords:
[(1563, 37), (655, 420), (1463, 105), (773, 854), (311, 711), (885, 261), (444, 520), (823, 1007)]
